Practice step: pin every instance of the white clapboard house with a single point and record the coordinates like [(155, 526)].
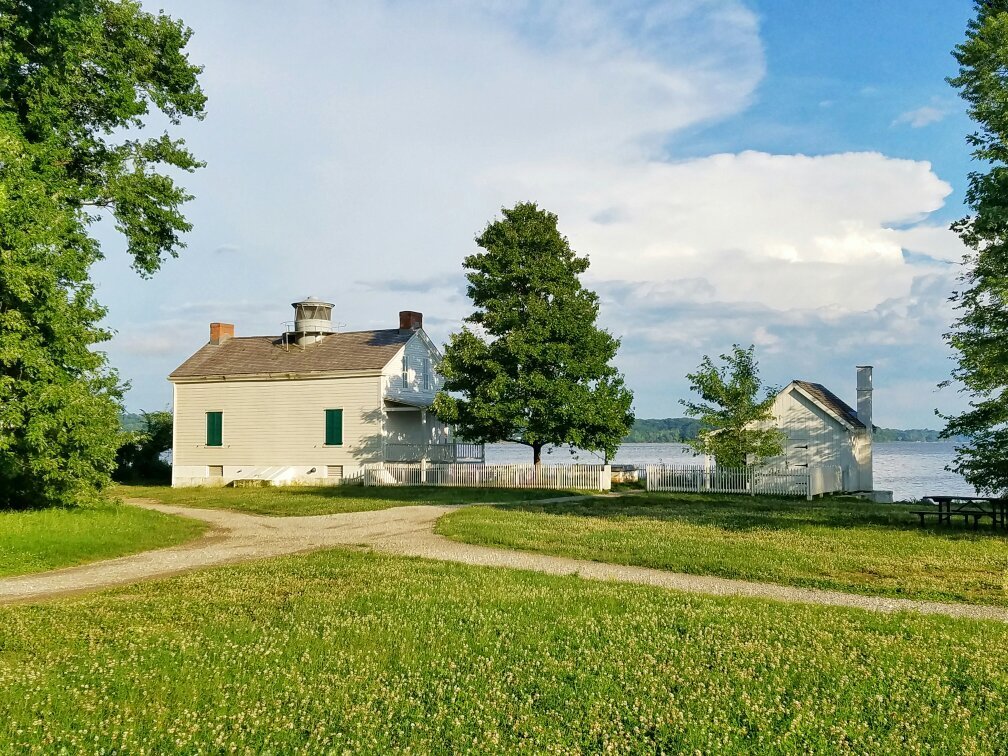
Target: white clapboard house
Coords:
[(311, 405), (823, 430)]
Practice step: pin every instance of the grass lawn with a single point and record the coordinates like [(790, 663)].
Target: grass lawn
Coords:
[(844, 544), (360, 652), (319, 500), (44, 539)]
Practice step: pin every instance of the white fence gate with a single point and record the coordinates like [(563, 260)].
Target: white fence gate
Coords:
[(807, 482), (475, 475)]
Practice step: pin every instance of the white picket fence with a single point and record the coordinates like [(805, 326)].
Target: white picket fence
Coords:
[(807, 482), (475, 475)]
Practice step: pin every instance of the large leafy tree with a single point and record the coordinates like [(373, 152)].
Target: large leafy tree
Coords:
[(533, 367), (736, 413), (78, 80), (980, 333)]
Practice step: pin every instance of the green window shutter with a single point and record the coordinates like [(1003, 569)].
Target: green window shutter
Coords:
[(334, 427), (214, 428)]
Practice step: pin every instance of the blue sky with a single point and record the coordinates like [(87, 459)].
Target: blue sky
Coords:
[(754, 171)]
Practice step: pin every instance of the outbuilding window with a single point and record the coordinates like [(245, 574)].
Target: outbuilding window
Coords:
[(214, 428), (334, 427)]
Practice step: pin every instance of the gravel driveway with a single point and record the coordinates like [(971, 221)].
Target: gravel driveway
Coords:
[(408, 531)]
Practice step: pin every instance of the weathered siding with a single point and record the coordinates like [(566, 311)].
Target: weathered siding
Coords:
[(276, 423), (814, 437)]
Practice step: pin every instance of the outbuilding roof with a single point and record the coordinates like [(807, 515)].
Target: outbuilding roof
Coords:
[(831, 403), (257, 355)]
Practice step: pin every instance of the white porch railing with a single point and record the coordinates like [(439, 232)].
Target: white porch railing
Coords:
[(795, 481), (476, 475), (451, 452)]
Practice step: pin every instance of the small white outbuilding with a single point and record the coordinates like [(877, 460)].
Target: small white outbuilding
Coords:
[(823, 430)]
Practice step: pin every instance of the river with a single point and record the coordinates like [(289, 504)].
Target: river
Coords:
[(909, 470)]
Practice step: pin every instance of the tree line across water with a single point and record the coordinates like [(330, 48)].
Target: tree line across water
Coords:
[(670, 430)]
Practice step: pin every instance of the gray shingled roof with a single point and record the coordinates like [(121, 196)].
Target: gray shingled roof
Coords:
[(832, 402), (250, 355)]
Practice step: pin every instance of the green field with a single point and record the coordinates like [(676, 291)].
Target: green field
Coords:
[(347, 650), (44, 539), (319, 500), (843, 544)]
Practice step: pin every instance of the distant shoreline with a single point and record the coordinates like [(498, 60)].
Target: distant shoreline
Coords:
[(677, 430)]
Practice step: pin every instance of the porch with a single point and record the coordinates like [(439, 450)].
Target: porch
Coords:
[(446, 451)]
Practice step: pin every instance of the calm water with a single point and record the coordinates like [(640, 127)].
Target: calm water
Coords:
[(909, 470)]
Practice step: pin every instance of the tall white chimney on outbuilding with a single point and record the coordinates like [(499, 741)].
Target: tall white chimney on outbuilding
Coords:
[(863, 450), (864, 391)]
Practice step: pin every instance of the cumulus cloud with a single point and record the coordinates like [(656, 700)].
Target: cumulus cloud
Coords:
[(777, 229)]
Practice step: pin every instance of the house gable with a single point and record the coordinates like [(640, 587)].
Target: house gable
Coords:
[(411, 374), (829, 403)]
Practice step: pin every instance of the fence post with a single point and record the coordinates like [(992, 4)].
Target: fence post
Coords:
[(607, 477)]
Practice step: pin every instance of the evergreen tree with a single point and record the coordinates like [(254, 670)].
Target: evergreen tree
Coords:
[(980, 332), (533, 367), (74, 76)]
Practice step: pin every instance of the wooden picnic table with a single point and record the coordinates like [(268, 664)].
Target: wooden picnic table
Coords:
[(976, 507)]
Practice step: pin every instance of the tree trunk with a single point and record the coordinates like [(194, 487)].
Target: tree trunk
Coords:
[(536, 454)]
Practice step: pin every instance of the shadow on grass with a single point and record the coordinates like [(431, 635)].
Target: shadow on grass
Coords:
[(741, 513)]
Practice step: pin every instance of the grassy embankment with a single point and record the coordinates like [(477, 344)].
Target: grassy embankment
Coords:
[(45, 539), (368, 653), (319, 500), (840, 544)]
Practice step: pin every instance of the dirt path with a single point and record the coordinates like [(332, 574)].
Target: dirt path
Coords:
[(408, 531)]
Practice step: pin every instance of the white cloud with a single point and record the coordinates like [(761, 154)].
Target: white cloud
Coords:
[(776, 229), (921, 117)]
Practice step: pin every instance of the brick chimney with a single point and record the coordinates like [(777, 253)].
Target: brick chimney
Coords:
[(410, 321), (221, 332)]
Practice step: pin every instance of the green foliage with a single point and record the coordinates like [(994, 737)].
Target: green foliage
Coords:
[(47, 539), (980, 333), (531, 366), (668, 430), (139, 458), (886, 435), (132, 421), (735, 421), (73, 77)]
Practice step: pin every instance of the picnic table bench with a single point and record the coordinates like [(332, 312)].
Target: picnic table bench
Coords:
[(975, 507)]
